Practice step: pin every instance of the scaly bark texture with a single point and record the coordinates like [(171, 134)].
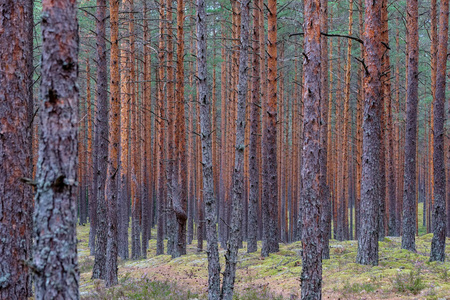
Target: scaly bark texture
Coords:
[(112, 191), (325, 222), (269, 147), (409, 197), (15, 150), (371, 186), (254, 132), (439, 216), (101, 225), (311, 277), (55, 251), (180, 202), (207, 167), (238, 174)]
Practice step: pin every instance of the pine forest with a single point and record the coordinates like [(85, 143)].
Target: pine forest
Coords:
[(224, 149)]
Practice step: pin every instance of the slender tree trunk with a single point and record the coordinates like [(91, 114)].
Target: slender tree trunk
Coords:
[(124, 137), (359, 122), (146, 166), (15, 149), (389, 129), (136, 195), (325, 225), (238, 175), (346, 130), (254, 132), (111, 190), (161, 130), (206, 134), (90, 164), (55, 251), (312, 242), (270, 205), (180, 200), (439, 217), (372, 144), (409, 198), (99, 270)]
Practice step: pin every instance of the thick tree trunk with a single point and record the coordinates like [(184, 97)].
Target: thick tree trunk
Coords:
[(238, 174), (15, 150), (311, 277), (370, 188), (409, 198), (206, 134), (439, 217), (55, 252), (99, 270)]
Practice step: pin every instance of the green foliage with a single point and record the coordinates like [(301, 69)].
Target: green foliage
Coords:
[(141, 290), (412, 282), (259, 294), (352, 288)]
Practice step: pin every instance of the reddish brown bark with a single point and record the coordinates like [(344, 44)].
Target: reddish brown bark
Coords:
[(269, 143), (439, 217), (111, 188), (15, 150), (180, 201)]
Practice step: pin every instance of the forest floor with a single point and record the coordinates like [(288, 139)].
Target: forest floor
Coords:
[(400, 275)]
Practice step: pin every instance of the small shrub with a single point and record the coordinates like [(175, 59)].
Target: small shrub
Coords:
[(411, 282), (353, 288), (86, 264)]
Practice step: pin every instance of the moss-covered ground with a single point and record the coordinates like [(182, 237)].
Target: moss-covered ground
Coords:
[(400, 275)]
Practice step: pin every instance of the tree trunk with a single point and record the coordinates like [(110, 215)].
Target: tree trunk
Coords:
[(55, 252), (346, 132), (15, 150), (124, 137), (389, 129), (206, 134), (409, 198), (238, 174), (113, 150), (180, 200), (311, 277), (254, 132), (161, 132), (146, 123), (270, 205), (99, 271), (372, 144), (439, 217)]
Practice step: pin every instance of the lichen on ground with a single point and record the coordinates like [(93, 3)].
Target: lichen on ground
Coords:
[(400, 274)]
